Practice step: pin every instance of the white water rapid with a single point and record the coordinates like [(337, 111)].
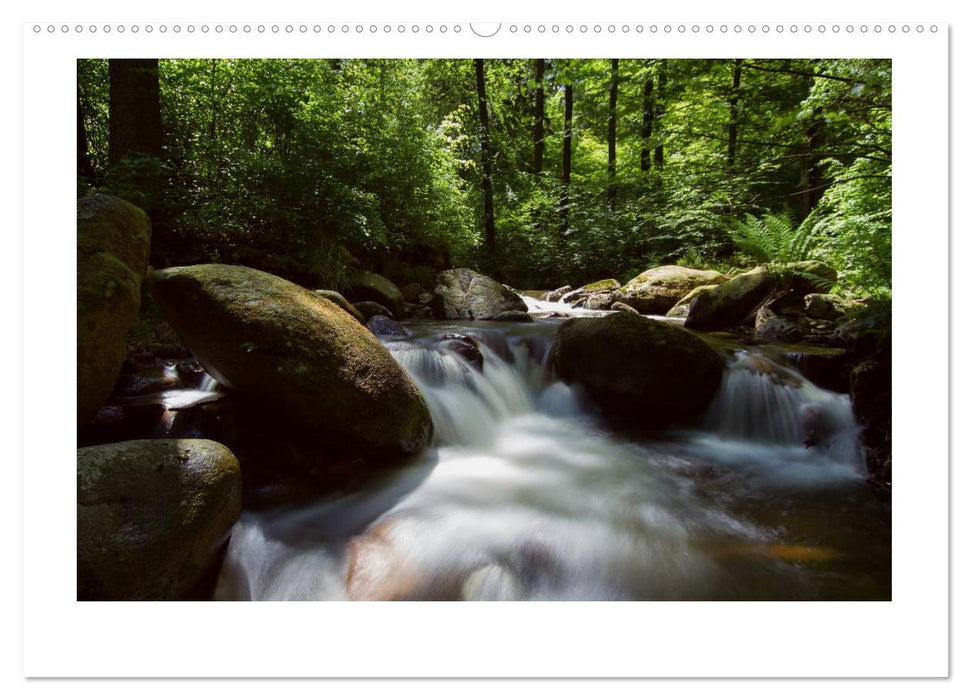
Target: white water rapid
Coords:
[(527, 495)]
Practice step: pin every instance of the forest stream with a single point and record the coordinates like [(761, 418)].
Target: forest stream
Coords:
[(528, 494)]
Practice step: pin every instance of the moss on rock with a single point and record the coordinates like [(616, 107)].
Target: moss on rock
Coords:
[(657, 290), (370, 286), (266, 337), (113, 239), (152, 516), (734, 301)]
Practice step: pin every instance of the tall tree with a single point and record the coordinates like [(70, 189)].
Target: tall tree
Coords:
[(567, 152), (539, 115), (662, 77), (134, 112), (135, 134), (612, 137), (85, 169), (486, 152), (647, 118), (733, 113)]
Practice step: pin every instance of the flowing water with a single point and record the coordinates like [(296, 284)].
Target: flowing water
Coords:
[(527, 494)]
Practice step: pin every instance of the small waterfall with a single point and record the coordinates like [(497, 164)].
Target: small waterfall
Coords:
[(783, 415), (469, 405), (536, 306), (208, 383)]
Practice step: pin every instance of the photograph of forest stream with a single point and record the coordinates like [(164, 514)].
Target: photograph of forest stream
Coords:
[(484, 329)]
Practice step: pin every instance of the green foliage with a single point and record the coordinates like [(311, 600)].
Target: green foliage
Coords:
[(296, 158)]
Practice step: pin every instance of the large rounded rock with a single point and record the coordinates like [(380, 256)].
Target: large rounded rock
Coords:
[(152, 516), (370, 286), (734, 301), (467, 294), (273, 340), (633, 365), (112, 243), (657, 290)]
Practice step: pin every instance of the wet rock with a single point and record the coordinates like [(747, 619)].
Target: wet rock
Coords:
[(637, 366), (870, 394), (138, 380), (657, 290), (600, 301), (557, 294), (112, 255), (370, 309), (190, 372), (464, 347), (467, 294), (152, 516), (384, 327), (270, 339)]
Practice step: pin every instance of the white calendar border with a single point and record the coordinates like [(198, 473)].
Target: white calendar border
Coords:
[(907, 637)]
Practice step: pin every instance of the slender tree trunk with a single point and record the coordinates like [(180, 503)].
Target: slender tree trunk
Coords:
[(539, 115), (134, 110), (612, 137), (567, 154), (647, 121), (662, 78), (490, 219), (85, 169), (733, 114)]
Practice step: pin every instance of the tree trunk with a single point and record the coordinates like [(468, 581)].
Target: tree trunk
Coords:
[(612, 138), (134, 111), (85, 169), (647, 121), (539, 114), (135, 133), (567, 154), (733, 114), (662, 78), (486, 150)]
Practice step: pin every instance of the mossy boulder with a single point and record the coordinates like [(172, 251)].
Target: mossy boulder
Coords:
[(338, 298), (467, 294), (113, 239), (152, 517), (657, 290), (370, 286), (682, 305), (289, 348), (735, 301), (579, 295), (635, 366)]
